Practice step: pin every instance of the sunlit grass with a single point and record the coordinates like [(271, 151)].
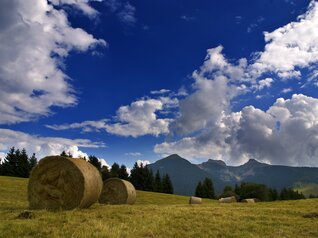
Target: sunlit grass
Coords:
[(156, 215)]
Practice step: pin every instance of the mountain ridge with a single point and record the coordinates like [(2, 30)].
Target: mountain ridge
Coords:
[(185, 175)]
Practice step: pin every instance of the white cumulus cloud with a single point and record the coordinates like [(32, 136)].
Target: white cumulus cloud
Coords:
[(137, 119), (284, 134), (142, 162), (44, 146), (291, 47), (35, 38)]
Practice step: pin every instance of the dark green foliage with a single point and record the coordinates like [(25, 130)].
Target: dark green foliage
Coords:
[(199, 190), (290, 194), (157, 187), (114, 170), (143, 179), (273, 195), (253, 190), (23, 168), (136, 176), (205, 189), (228, 191), (8, 167), (263, 193), (148, 179), (17, 163), (236, 189), (208, 188), (122, 172), (33, 162), (105, 173), (95, 161), (167, 185), (228, 188)]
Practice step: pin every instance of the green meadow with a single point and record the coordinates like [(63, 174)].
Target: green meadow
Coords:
[(155, 215)]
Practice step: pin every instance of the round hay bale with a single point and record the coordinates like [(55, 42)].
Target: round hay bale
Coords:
[(63, 183), (227, 200), (195, 200), (117, 191), (248, 200)]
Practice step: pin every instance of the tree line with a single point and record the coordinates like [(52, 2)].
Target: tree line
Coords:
[(141, 176), (205, 189), (245, 190), (17, 163)]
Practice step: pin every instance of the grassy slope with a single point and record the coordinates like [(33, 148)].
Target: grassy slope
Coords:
[(156, 215), (307, 188)]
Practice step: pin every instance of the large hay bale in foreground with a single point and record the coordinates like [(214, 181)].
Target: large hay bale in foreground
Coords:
[(195, 200), (248, 200), (227, 200), (63, 183), (117, 191)]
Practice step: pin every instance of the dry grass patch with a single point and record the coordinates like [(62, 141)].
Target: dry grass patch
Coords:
[(156, 215)]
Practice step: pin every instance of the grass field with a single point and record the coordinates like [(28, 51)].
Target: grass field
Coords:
[(156, 215)]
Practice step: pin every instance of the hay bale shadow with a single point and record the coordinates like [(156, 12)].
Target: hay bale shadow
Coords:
[(311, 215), (25, 215)]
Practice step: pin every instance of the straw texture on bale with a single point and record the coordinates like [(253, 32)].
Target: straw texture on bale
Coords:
[(248, 200), (117, 191), (227, 199), (195, 200), (63, 183)]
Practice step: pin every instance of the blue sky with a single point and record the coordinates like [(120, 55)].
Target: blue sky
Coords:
[(138, 80)]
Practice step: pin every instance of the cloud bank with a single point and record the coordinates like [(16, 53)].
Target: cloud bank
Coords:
[(35, 38), (137, 119), (283, 134), (44, 146)]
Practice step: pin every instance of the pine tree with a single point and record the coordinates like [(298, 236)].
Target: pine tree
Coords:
[(122, 172), (148, 179), (208, 188), (167, 186), (157, 183), (23, 166), (136, 177), (273, 195), (283, 194), (105, 173), (95, 161), (114, 170), (10, 163), (199, 190), (228, 191), (237, 189), (32, 162), (17, 163)]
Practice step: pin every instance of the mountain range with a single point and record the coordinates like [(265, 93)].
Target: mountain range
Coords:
[(185, 175)]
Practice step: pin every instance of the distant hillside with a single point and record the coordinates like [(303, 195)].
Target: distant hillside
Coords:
[(307, 188), (185, 175)]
